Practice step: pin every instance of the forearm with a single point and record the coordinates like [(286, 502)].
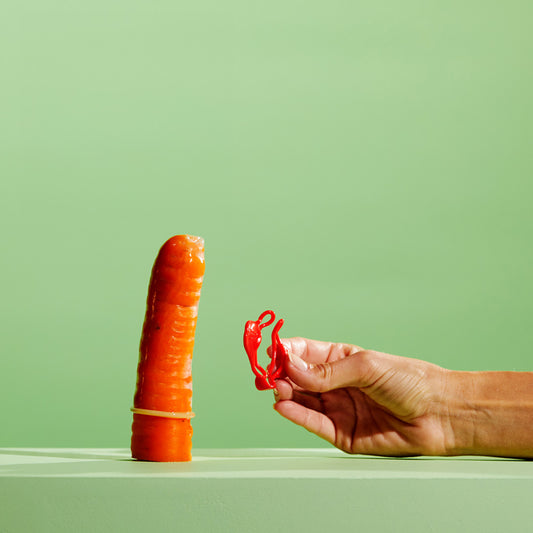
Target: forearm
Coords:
[(490, 413)]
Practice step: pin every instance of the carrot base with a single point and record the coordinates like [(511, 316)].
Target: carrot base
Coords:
[(161, 439)]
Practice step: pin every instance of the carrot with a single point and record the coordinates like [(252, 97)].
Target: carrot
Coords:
[(161, 429)]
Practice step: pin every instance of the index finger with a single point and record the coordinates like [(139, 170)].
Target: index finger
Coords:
[(316, 352)]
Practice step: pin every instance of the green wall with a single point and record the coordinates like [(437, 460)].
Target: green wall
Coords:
[(362, 168)]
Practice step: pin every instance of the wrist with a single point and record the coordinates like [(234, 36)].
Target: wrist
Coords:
[(460, 415)]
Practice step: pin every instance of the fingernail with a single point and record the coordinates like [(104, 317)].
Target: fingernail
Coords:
[(298, 362), (276, 394)]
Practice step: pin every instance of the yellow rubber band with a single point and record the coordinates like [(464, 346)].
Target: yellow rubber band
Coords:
[(162, 414)]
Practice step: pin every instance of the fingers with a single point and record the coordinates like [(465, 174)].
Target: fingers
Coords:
[(284, 390), (310, 400), (312, 420), (317, 351), (355, 370)]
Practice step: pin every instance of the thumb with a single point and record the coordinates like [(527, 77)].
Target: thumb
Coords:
[(355, 370)]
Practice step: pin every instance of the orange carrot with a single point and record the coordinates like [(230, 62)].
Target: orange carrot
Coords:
[(161, 429)]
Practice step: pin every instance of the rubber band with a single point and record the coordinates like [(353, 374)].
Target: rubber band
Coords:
[(162, 414)]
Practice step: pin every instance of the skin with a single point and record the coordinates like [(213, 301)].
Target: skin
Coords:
[(368, 402)]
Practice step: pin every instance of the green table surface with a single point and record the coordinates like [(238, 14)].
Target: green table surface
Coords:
[(260, 490)]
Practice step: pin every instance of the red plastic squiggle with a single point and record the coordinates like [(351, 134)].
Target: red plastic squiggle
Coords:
[(265, 379)]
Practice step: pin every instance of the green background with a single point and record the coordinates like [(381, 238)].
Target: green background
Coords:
[(362, 168)]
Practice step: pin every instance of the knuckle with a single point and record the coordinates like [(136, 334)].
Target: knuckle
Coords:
[(368, 363), (324, 373)]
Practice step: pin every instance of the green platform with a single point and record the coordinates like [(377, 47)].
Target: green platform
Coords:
[(78, 490)]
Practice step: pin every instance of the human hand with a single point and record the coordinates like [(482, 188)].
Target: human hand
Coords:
[(366, 402)]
